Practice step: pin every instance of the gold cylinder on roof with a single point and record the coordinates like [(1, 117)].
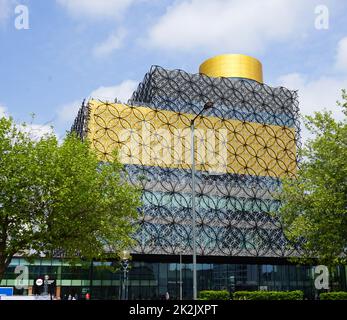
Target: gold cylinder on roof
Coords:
[(233, 66)]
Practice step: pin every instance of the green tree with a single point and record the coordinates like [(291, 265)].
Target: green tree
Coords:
[(314, 204), (57, 199)]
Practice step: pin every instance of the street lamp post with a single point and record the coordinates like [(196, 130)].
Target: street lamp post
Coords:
[(125, 256), (181, 295), (45, 285), (207, 105)]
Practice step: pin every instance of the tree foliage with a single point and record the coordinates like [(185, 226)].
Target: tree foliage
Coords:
[(314, 204), (58, 199), (268, 295), (214, 295)]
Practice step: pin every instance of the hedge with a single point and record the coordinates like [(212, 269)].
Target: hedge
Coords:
[(337, 295), (268, 295), (214, 295)]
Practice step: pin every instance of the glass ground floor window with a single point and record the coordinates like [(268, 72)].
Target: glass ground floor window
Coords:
[(153, 279)]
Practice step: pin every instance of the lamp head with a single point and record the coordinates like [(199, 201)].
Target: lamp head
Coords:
[(208, 105), (125, 255)]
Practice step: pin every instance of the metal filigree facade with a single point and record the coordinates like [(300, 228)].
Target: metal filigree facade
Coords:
[(245, 144)]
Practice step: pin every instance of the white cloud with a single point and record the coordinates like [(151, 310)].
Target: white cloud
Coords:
[(95, 9), (5, 6), (341, 56), (112, 43), (322, 92), (3, 112), (234, 25), (68, 111), (121, 92), (37, 131), (317, 94)]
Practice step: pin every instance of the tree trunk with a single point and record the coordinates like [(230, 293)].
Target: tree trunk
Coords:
[(4, 263), (5, 258), (3, 267)]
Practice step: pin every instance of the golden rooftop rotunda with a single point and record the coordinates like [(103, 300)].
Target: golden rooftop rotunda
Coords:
[(233, 66)]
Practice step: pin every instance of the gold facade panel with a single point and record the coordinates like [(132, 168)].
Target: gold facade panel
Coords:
[(153, 137)]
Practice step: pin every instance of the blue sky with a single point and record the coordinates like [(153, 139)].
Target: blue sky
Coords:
[(102, 48)]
